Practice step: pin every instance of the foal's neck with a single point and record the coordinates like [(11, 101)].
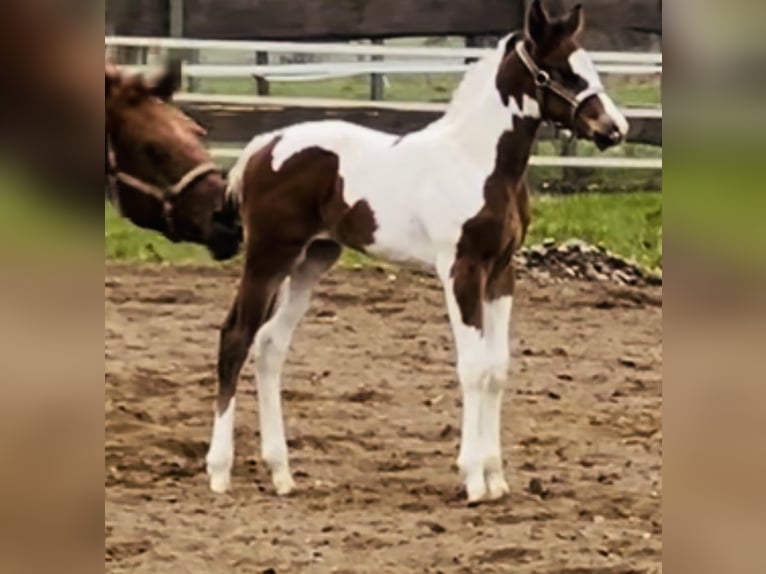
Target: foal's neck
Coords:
[(497, 137)]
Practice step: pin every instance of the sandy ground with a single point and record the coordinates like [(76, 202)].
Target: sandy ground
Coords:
[(372, 406)]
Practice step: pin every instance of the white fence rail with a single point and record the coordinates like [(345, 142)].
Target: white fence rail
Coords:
[(282, 101), (232, 154), (318, 71), (352, 49), (427, 62), (606, 62)]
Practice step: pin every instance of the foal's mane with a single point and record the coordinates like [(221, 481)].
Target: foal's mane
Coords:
[(477, 78)]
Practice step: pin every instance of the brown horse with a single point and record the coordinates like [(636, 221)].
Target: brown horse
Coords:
[(51, 123), (159, 174), (451, 196)]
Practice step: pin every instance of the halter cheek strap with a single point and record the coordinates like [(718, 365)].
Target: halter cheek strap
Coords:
[(164, 194), (543, 81)]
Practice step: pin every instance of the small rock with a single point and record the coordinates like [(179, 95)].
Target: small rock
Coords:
[(536, 487), (434, 527)]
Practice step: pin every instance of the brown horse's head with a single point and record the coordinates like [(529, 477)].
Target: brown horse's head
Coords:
[(160, 175), (548, 64)]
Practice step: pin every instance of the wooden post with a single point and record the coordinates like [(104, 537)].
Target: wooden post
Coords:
[(376, 80), (262, 59), (569, 176)]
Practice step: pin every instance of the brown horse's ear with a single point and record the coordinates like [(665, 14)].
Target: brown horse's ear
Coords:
[(111, 77), (537, 22), (575, 22), (169, 82)]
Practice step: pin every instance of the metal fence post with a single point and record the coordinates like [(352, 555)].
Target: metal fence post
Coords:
[(176, 21), (262, 84), (376, 80)]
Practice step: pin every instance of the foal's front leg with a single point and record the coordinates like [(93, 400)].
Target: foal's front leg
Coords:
[(472, 369), (497, 320)]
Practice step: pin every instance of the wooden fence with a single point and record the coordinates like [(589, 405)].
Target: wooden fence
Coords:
[(612, 24)]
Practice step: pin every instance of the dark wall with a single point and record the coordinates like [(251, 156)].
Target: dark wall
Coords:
[(238, 123), (316, 19), (342, 19), (612, 24), (617, 24), (138, 17)]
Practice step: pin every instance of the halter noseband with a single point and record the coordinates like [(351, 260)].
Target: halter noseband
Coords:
[(543, 81), (164, 194)]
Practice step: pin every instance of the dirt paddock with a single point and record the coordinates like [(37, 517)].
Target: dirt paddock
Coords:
[(372, 411)]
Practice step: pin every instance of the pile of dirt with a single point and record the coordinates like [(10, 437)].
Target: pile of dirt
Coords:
[(577, 259)]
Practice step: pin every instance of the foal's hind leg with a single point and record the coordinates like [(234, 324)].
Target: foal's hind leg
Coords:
[(270, 349), (250, 309)]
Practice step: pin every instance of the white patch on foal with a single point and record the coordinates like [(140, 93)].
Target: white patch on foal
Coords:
[(529, 108), (582, 65)]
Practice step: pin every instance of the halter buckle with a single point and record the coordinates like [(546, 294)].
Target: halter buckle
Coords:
[(542, 78)]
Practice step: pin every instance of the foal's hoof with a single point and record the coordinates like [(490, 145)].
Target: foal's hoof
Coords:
[(497, 487), (475, 490), (220, 483), (283, 483)]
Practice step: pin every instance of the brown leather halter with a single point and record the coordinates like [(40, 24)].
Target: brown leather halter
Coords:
[(164, 194), (543, 81)]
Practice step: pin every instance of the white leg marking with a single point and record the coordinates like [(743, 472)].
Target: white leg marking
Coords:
[(497, 317), (220, 455), (270, 350), (471, 369)]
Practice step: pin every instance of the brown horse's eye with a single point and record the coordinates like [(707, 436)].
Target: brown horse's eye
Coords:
[(155, 153)]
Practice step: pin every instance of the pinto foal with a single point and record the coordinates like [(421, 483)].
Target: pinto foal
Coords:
[(451, 196)]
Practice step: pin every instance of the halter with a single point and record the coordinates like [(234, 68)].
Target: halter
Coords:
[(543, 81), (164, 194)]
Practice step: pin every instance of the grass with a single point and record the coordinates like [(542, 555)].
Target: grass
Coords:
[(628, 224), (123, 241)]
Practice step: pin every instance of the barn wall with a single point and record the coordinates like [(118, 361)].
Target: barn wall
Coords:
[(612, 24)]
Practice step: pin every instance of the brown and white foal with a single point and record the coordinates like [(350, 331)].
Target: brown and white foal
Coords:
[(451, 196)]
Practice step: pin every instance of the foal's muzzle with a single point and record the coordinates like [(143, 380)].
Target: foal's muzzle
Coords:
[(607, 135)]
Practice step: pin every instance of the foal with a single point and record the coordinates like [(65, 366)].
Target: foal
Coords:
[(159, 174), (451, 196)]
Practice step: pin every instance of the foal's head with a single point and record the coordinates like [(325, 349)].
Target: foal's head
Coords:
[(559, 75), (160, 175)]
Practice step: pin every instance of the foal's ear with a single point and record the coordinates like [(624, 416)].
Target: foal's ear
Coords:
[(575, 22), (537, 22), (169, 82)]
